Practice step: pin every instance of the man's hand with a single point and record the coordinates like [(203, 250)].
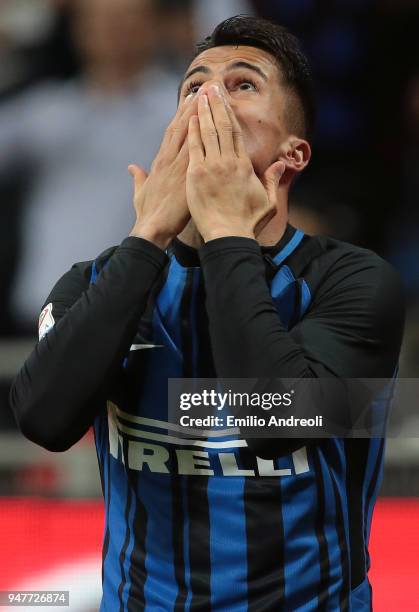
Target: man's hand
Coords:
[(225, 197), (160, 197)]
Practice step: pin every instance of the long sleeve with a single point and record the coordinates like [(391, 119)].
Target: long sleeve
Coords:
[(64, 382), (352, 330)]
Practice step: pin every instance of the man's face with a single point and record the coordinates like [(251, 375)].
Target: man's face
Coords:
[(251, 80)]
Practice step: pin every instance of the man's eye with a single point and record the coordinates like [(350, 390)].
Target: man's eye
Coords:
[(247, 86), (192, 88), (243, 85)]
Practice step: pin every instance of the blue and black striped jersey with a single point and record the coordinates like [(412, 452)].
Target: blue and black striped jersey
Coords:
[(205, 523)]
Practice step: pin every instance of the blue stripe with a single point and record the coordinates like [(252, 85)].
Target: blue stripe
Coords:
[(301, 561), (160, 589), (195, 284), (130, 547), (289, 248), (305, 298), (228, 545), (93, 276), (283, 292), (169, 301), (302, 568), (167, 362), (154, 490), (329, 523), (336, 466), (186, 544), (118, 481)]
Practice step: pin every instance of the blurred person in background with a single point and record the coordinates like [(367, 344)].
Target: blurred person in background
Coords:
[(34, 43), (71, 142), (177, 28)]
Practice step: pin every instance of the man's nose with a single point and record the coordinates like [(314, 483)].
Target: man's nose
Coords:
[(205, 87)]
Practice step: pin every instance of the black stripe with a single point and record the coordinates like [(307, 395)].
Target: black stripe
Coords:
[(374, 478), (199, 542), (373, 484), (145, 326), (178, 542), (133, 378), (343, 548), (185, 325), (297, 304), (205, 366), (137, 571), (204, 369), (308, 250), (265, 544), (356, 452), (127, 532), (323, 589), (178, 510), (196, 487)]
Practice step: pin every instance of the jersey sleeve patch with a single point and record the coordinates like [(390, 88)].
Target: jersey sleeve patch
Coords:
[(46, 321)]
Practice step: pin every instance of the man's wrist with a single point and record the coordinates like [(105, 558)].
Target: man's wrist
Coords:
[(226, 232), (156, 237)]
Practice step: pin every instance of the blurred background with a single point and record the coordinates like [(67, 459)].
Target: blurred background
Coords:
[(88, 86)]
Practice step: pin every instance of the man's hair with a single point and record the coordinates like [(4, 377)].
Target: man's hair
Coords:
[(286, 50)]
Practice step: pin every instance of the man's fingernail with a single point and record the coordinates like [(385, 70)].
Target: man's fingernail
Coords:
[(205, 99), (216, 89)]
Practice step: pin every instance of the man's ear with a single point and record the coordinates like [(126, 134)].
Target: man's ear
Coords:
[(296, 153)]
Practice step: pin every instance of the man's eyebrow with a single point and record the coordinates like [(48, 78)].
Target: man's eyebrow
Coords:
[(203, 69), (249, 67), (234, 66)]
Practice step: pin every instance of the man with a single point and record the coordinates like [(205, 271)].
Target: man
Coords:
[(73, 138), (221, 524)]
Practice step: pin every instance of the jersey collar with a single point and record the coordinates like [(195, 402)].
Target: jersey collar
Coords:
[(188, 257)]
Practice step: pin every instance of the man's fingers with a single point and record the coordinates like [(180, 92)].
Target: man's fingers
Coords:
[(180, 111), (272, 178), (138, 174), (237, 132), (209, 134), (183, 156), (221, 120), (177, 131), (195, 146)]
